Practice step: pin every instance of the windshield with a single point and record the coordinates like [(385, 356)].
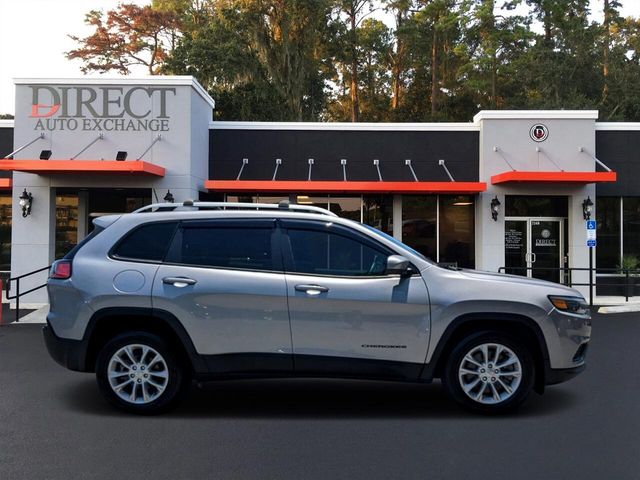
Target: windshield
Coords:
[(397, 242)]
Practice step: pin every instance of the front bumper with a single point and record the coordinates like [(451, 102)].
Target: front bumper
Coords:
[(558, 375), (68, 353)]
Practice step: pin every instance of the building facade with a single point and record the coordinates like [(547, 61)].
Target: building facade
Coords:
[(507, 191)]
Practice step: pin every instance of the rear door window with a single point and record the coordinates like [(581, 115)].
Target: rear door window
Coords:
[(242, 244)]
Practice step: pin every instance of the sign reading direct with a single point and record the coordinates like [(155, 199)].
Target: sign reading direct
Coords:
[(83, 108)]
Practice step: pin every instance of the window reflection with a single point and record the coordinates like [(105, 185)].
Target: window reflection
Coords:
[(608, 218), (457, 244), (419, 218), (377, 211)]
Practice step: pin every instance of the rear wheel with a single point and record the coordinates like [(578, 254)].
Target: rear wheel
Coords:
[(490, 372), (138, 373)]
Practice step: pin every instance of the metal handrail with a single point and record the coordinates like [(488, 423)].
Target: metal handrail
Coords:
[(18, 292), (168, 207), (568, 278)]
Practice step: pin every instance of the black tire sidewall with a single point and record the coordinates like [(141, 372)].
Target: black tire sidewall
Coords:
[(452, 385), (177, 379)]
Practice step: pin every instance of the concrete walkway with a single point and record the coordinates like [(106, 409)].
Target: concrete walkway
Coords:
[(37, 316)]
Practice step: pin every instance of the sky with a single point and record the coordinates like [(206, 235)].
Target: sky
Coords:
[(34, 37)]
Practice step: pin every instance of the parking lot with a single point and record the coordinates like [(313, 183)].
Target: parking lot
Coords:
[(55, 425)]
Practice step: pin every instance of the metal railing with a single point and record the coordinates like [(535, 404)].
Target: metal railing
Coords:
[(18, 293), (567, 277)]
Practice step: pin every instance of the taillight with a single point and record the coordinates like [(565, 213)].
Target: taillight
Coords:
[(61, 269)]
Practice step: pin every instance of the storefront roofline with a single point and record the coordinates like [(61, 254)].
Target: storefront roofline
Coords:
[(535, 114), (172, 80), (318, 186), (371, 126)]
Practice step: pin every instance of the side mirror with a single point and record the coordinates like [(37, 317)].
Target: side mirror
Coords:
[(397, 264)]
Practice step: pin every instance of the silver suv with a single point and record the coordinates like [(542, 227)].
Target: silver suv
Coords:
[(156, 298)]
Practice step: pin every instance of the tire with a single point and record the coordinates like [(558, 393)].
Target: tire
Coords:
[(138, 373), (493, 393)]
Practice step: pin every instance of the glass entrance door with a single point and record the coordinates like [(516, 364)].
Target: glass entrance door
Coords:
[(535, 247)]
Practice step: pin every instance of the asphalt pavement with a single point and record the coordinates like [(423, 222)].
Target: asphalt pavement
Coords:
[(55, 425)]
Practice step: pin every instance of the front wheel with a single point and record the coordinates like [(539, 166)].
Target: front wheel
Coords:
[(137, 372), (490, 372)]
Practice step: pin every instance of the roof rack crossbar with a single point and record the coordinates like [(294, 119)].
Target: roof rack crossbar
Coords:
[(189, 205)]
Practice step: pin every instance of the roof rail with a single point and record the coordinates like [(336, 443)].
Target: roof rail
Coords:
[(190, 205)]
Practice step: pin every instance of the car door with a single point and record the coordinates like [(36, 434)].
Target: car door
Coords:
[(348, 317), (223, 280)]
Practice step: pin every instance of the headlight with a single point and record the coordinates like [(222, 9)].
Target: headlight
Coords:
[(576, 305)]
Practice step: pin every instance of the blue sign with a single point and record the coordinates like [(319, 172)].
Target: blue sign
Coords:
[(591, 224), (591, 243)]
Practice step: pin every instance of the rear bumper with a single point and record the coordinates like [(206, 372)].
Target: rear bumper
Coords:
[(68, 353)]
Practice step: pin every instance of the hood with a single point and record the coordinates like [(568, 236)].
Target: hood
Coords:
[(503, 277)]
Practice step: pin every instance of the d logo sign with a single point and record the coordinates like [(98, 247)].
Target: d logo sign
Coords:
[(539, 132)]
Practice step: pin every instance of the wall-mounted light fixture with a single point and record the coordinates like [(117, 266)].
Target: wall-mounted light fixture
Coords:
[(26, 199), (495, 208), (121, 156), (45, 154), (587, 208), (169, 197)]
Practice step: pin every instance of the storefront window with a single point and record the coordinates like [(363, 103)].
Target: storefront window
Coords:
[(457, 243), (608, 217), (5, 232), (346, 207), (66, 224), (377, 211), (419, 224), (631, 227)]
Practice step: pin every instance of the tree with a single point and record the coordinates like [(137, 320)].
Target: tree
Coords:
[(130, 35)]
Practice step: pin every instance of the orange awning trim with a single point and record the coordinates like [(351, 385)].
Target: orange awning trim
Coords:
[(553, 177), (313, 186), (79, 167)]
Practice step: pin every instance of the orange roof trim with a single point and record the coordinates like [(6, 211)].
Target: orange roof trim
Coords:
[(79, 167), (313, 186), (553, 177)]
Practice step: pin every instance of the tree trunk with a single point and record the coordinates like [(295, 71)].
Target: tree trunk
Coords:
[(434, 72), (355, 101), (607, 45)]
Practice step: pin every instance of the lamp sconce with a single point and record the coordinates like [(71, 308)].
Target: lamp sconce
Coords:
[(587, 208), (495, 208), (26, 199), (169, 197), (121, 156)]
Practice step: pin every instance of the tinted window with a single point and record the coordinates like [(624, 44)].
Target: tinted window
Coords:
[(231, 247), (85, 240), (149, 242), (327, 253)]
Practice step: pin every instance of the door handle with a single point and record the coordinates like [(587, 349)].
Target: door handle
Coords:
[(533, 257), (179, 282), (311, 289)]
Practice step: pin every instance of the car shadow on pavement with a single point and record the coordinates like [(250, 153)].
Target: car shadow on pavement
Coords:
[(318, 398)]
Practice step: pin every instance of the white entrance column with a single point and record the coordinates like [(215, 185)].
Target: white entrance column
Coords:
[(507, 143)]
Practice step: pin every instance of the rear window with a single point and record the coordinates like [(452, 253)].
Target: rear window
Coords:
[(83, 242), (148, 242)]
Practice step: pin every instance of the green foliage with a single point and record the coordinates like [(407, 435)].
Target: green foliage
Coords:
[(335, 60)]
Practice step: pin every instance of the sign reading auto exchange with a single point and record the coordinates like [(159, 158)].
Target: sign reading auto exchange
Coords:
[(100, 109)]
